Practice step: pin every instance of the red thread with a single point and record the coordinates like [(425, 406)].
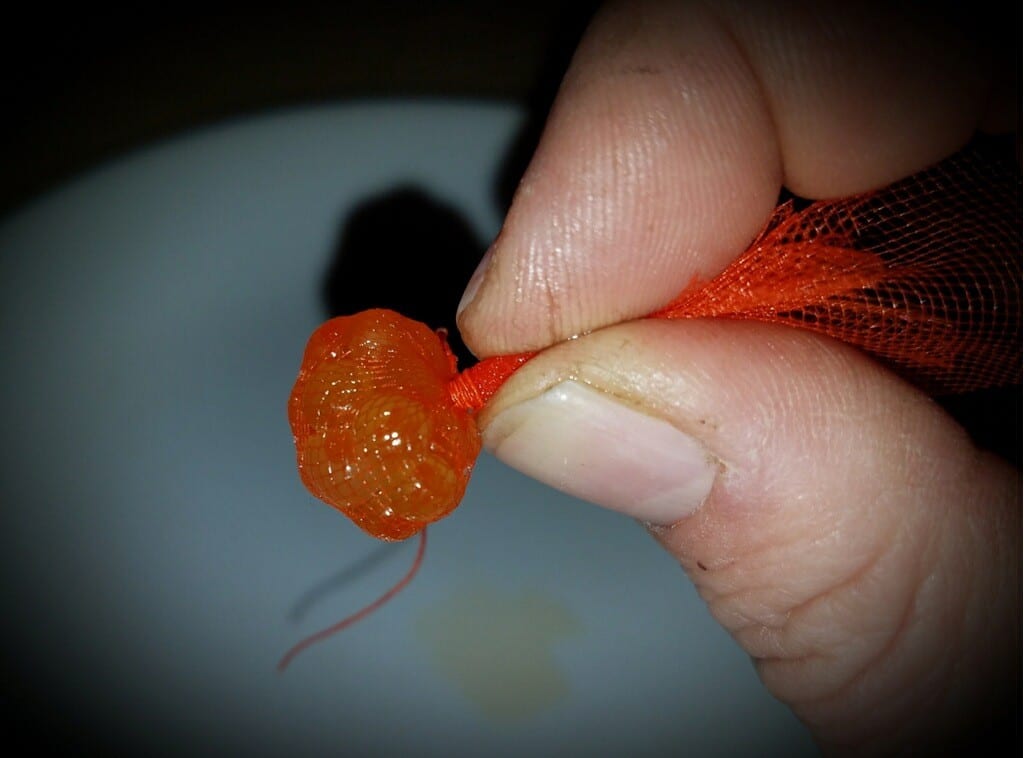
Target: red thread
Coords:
[(348, 621)]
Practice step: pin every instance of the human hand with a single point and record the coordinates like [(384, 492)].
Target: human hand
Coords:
[(841, 526)]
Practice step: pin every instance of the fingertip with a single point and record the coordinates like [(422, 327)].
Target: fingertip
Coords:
[(654, 168), (474, 284)]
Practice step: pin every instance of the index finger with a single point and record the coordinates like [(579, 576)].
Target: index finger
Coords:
[(676, 127)]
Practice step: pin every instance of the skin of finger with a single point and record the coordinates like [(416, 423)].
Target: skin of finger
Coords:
[(675, 127), (862, 95), (855, 543)]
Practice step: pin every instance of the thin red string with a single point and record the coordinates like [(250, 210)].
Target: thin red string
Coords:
[(348, 621)]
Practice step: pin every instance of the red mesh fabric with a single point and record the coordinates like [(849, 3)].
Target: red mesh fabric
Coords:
[(925, 275)]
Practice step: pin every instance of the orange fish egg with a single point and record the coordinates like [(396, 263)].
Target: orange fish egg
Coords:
[(376, 433)]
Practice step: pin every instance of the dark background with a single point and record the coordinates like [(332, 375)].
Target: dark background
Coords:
[(83, 86)]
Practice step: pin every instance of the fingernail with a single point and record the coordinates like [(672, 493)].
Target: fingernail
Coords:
[(475, 281), (583, 442)]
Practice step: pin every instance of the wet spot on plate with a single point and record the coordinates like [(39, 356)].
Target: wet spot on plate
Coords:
[(499, 646)]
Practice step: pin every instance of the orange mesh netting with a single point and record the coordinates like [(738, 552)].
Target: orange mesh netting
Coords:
[(924, 275)]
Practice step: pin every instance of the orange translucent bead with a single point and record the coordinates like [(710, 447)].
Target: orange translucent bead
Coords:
[(376, 432)]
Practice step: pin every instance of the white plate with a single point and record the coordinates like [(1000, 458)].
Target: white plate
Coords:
[(160, 552)]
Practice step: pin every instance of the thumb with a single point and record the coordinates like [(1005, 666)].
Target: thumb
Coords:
[(836, 521)]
